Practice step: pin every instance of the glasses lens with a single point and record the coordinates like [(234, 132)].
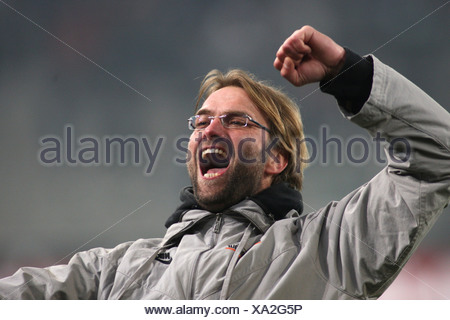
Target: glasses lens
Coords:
[(234, 121), (231, 120), (199, 121)]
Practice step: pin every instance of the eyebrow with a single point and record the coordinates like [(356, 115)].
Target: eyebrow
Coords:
[(208, 112), (203, 111)]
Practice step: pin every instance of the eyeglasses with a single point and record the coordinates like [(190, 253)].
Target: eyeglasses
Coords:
[(230, 120)]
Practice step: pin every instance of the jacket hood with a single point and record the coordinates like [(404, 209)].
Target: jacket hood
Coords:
[(276, 201)]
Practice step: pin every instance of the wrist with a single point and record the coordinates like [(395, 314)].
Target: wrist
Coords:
[(352, 84), (334, 70)]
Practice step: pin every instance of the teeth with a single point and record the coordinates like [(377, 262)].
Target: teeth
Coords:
[(211, 175), (213, 150)]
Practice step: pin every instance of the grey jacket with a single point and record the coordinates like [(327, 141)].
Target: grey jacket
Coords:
[(350, 249)]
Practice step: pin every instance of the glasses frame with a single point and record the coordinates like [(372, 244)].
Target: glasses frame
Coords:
[(191, 121)]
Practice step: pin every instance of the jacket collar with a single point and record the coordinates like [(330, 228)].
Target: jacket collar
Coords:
[(275, 201), (278, 200)]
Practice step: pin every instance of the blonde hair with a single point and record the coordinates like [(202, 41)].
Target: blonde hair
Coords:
[(281, 112)]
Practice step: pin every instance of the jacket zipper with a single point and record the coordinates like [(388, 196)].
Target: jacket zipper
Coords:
[(218, 223)]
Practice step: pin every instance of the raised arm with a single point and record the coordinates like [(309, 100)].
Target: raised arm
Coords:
[(359, 244)]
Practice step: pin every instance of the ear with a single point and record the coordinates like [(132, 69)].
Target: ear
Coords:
[(275, 165)]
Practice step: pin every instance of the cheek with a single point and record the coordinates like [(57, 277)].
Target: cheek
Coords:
[(249, 149), (193, 145)]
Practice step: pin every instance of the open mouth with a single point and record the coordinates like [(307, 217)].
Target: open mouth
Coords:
[(213, 162)]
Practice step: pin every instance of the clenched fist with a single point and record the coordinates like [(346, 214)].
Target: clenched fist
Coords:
[(309, 56)]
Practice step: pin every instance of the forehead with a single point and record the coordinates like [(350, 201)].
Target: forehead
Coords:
[(229, 99)]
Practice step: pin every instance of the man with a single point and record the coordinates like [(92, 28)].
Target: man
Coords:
[(240, 234)]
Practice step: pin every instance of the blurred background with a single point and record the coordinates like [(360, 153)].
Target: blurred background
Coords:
[(132, 69)]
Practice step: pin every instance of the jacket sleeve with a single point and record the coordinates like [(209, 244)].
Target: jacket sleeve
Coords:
[(81, 278), (363, 240)]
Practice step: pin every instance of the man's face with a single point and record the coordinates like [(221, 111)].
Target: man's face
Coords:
[(226, 163)]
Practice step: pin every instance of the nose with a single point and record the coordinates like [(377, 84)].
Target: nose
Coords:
[(215, 129)]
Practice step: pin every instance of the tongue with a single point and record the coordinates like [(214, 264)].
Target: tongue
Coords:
[(216, 170)]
